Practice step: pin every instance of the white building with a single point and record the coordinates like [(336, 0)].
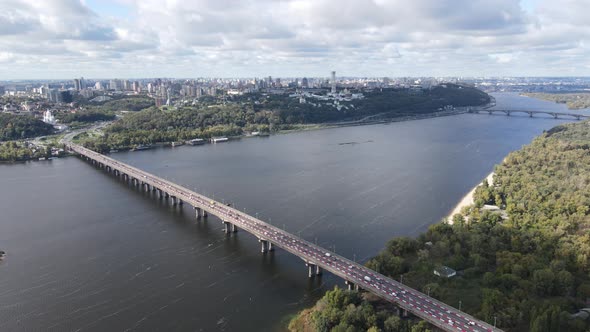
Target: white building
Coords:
[(48, 117)]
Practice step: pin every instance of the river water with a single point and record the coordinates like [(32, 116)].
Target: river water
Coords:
[(86, 252)]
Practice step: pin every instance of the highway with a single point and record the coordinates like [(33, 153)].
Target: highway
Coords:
[(427, 308)]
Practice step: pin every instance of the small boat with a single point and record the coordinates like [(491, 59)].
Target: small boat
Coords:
[(42, 158), (264, 134), (196, 141), (2, 254), (142, 147), (177, 144), (113, 151), (219, 139)]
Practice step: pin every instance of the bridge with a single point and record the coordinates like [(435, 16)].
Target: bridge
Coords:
[(555, 115), (315, 258)]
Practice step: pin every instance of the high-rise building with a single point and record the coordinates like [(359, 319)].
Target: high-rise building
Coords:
[(116, 85), (333, 82), (65, 96), (53, 95), (77, 85), (304, 83)]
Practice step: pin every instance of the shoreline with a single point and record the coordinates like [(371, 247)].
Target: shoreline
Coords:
[(467, 200), (321, 126)]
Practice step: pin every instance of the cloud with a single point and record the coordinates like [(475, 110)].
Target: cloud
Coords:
[(294, 37)]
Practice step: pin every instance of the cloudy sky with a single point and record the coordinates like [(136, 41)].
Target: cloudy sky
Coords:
[(246, 38)]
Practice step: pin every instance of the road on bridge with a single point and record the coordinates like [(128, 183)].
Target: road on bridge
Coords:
[(433, 311)]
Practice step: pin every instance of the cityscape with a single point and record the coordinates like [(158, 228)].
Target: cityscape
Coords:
[(294, 166)]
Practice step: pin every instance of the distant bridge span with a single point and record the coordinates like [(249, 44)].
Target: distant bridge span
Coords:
[(315, 257), (555, 115)]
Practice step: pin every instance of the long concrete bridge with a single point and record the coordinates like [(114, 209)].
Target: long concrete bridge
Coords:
[(314, 257), (508, 112)]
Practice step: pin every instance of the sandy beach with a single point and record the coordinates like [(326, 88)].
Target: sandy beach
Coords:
[(467, 200)]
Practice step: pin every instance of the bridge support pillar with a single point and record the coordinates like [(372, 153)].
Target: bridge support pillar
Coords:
[(311, 270), (264, 244), (197, 212), (180, 202), (205, 215), (351, 285), (173, 200), (318, 270), (530, 114), (228, 227)]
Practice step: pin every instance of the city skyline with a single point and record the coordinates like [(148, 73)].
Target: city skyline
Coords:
[(131, 39)]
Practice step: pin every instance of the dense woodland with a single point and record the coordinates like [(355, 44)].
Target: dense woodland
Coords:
[(265, 113), (530, 271), (13, 151), (126, 104), (90, 115), (574, 101), (106, 111), (15, 127)]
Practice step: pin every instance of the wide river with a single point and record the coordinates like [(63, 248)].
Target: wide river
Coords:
[(87, 252)]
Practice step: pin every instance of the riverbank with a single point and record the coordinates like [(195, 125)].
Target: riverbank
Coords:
[(468, 200)]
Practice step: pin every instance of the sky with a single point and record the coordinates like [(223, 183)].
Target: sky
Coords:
[(57, 39)]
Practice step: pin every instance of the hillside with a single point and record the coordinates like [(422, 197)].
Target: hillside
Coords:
[(14, 127), (266, 112)]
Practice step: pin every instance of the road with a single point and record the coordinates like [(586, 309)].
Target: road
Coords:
[(435, 312)]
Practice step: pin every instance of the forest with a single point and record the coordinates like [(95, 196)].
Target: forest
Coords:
[(15, 127), (90, 115), (13, 151), (126, 104), (530, 272), (268, 113)]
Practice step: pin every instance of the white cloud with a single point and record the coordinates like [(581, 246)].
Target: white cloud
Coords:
[(293, 37)]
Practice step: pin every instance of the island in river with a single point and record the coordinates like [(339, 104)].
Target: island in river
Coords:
[(526, 272)]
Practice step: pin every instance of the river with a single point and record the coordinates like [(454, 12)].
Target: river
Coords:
[(86, 252)]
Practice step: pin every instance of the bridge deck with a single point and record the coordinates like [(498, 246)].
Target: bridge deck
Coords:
[(531, 112), (435, 312)]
